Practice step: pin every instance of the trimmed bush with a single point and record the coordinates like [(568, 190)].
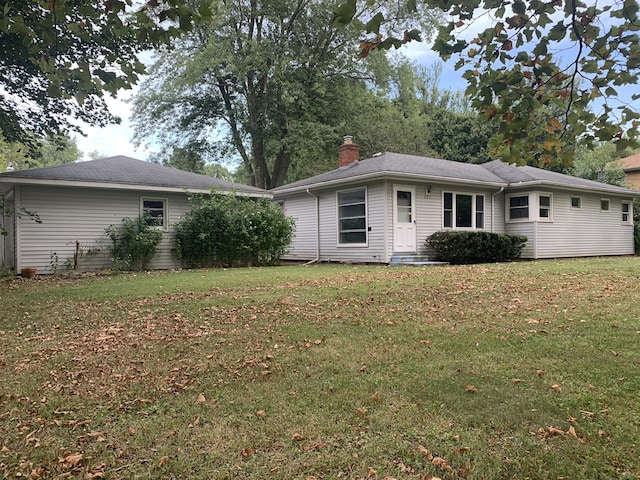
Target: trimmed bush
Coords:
[(232, 231), (464, 247)]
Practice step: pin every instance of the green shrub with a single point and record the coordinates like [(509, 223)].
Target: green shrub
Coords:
[(133, 244), (463, 247), (229, 230)]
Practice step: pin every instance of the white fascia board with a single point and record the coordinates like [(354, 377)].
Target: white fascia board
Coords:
[(387, 175)]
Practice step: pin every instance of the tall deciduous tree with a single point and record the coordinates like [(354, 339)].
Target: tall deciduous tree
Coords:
[(535, 55), (265, 77), (599, 163), (58, 58)]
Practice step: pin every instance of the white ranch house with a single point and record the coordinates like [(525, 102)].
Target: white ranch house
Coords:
[(372, 210)]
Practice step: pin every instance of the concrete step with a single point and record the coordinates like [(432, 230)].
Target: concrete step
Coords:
[(414, 260)]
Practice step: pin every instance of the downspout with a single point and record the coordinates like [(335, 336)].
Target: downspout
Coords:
[(317, 228), (493, 197)]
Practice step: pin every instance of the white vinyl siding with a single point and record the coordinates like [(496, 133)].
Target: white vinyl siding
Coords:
[(302, 209), (583, 232), (82, 214)]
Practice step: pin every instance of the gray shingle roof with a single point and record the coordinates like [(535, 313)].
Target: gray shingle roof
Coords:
[(494, 173), (122, 170), (400, 164)]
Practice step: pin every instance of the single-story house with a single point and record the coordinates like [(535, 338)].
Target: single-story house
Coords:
[(631, 167), (370, 210), (76, 202)]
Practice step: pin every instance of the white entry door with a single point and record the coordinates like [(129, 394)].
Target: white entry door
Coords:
[(404, 222)]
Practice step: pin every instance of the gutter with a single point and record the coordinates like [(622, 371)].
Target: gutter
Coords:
[(317, 259), (493, 197)]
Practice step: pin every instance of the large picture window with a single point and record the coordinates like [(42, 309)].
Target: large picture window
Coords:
[(463, 210), (155, 211), (352, 217)]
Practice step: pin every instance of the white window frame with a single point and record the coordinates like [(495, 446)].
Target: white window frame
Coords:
[(366, 217), (165, 210), (542, 218), (628, 213), (608, 209), (579, 207), (507, 205), (474, 210)]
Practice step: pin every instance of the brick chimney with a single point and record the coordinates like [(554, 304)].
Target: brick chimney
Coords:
[(348, 152)]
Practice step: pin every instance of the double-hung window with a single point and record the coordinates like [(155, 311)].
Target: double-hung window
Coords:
[(154, 211), (462, 210), (605, 204), (519, 207), (627, 217), (544, 207), (352, 217)]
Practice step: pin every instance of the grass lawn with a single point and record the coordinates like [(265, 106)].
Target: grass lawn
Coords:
[(522, 370)]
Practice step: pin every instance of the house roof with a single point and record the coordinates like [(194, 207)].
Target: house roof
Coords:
[(630, 164), (123, 172), (493, 174), (413, 166)]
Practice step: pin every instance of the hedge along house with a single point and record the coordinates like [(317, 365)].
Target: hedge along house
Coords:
[(76, 202), (372, 210)]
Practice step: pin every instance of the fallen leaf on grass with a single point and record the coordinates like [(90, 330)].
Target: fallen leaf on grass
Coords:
[(572, 432), (471, 389), (247, 452), (163, 462), (261, 413), (540, 372), (375, 397), (555, 431), (201, 398), (70, 460), (297, 437), (556, 388), (361, 412), (517, 380), (441, 463), (427, 454)]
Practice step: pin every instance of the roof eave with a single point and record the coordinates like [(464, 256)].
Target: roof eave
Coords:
[(582, 188), (127, 186), (388, 175)]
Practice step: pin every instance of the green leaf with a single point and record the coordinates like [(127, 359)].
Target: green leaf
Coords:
[(344, 13), (373, 25)]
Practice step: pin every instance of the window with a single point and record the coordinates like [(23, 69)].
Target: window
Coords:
[(626, 213), (544, 207), (155, 211), (576, 203), (352, 217), (604, 205), (479, 211), (519, 208), (462, 210)]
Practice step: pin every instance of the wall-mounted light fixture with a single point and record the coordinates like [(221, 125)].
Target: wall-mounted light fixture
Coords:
[(427, 192)]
